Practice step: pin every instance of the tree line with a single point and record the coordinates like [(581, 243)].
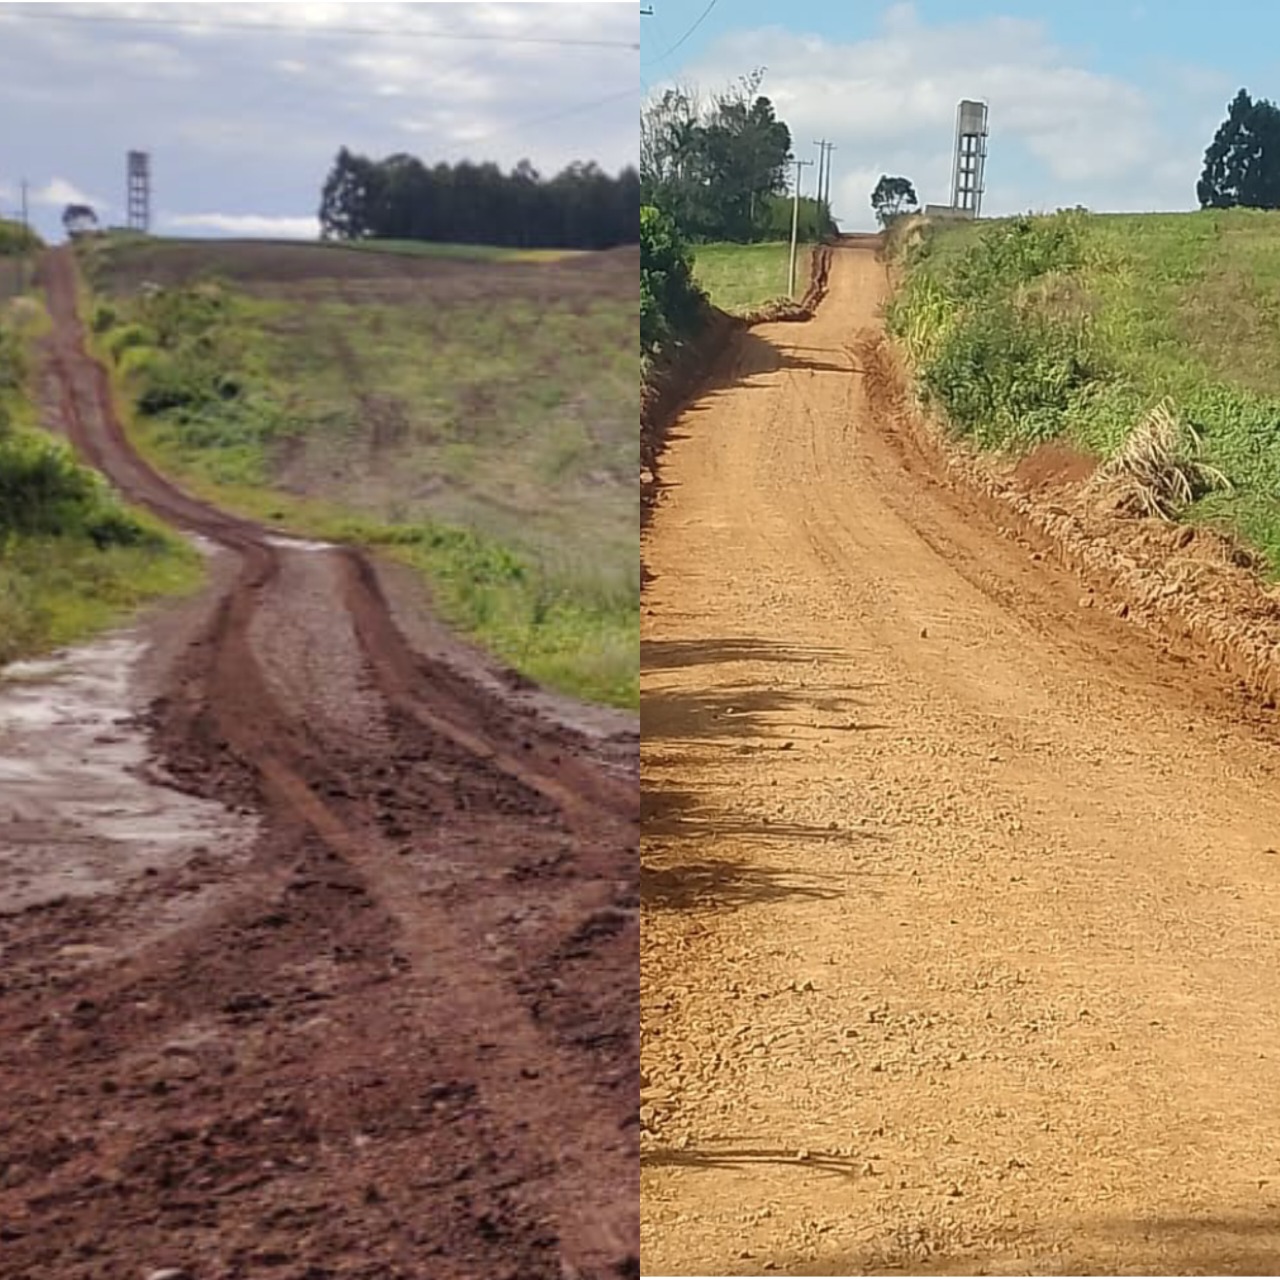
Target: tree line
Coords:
[(401, 198), (718, 166)]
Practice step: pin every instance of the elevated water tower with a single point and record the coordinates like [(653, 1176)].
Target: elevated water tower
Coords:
[(970, 161), (139, 190)]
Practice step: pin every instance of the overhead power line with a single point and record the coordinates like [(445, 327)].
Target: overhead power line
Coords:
[(408, 32), (702, 17), (560, 113)]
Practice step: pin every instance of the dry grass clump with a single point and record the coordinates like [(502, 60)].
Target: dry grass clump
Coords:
[(1157, 471)]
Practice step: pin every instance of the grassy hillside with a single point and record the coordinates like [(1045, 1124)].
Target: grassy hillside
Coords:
[(475, 417), (1076, 326), (72, 559), (740, 277)]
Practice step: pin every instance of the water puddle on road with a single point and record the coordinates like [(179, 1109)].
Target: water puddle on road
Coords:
[(76, 815), (288, 543)]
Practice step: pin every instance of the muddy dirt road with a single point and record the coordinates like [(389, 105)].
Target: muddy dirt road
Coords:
[(362, 1004), (961, 904)]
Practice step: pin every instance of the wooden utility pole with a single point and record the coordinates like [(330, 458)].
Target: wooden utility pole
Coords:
[(825, 149), (795, 223)]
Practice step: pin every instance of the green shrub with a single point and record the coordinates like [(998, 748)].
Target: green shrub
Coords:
[(43, 490), (15, 238), (104, 316), (126, 338), (670, 300), (1009, 377), (13, 365), (1000, 331)]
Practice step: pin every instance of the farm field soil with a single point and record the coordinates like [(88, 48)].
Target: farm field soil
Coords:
[(960, 901), (319, 948)]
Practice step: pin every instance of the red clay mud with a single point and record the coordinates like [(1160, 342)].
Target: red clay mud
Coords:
[(400, 1041)]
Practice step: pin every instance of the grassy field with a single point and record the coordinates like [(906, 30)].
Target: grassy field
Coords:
[(739, 277), (72, 559), (477, 420), (1076, 326)]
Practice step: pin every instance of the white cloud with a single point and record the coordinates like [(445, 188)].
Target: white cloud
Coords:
[(59, 192), (1061, 133), (241, 114), (244, 224)]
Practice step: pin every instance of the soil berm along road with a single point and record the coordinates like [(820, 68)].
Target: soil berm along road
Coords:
[(377, 1018), (961, 902)]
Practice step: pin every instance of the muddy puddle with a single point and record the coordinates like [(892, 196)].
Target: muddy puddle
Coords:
[(78, 815)]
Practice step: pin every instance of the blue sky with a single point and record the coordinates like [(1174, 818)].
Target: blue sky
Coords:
[(243, 124), (1110, 105)]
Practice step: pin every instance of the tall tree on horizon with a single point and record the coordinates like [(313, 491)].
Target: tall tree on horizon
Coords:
[(893, 196), (1242, 163)]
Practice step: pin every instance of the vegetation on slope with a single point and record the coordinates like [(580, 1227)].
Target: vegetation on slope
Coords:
[(670, 300), (1082, 327), (479, 426), (72, 558)]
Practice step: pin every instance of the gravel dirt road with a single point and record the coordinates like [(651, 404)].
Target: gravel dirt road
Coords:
[(361, 1001), (961, 902)]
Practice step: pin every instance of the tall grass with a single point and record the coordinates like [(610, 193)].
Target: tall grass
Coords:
[(1081, 327)]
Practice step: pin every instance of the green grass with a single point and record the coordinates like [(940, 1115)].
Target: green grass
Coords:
[(739, 277), (1080, 327), (58, 590), (57, 584), (489, 441)]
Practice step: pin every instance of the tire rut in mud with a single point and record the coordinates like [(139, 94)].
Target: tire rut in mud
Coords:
[(405, 1043)]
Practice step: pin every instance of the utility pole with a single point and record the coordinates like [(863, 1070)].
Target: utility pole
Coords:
[(795, 223), (825, 149)]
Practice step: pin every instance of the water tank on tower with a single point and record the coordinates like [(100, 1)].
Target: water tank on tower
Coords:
[(971, 157)]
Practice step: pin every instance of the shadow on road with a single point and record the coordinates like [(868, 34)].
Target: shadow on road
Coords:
[(704, 853), (715, 883), (1175, 1246), (670, 655)]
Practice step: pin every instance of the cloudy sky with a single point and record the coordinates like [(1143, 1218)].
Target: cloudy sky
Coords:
[(1106, 103), (243, 106)]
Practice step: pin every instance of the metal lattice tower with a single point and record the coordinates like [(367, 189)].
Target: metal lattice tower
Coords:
[(970, 164), (139, 191)]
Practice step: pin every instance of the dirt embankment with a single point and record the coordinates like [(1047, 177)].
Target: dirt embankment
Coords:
[(395, 1037), (1198, 593)]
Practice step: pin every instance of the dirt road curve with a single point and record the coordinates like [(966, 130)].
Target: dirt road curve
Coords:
[(962, 906), (388, 1034)]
